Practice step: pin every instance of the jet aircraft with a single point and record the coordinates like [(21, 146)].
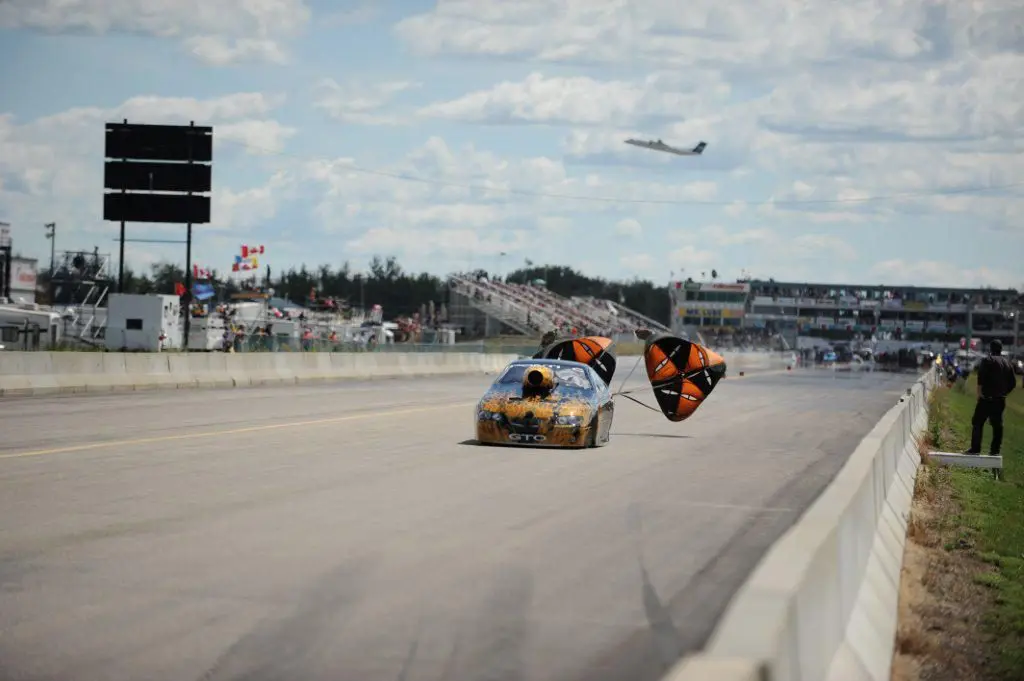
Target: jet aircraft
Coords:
[(661, 146)]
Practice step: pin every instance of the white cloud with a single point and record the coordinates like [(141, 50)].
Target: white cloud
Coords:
[(249, 208), (899, 271), (684, 261), (48, 166), (221, 51), (781, 35), (219, 32), (573, 100), (452, 244), (721, 236), (971, 100), (340, 15), (549, 224), (638, 262), (825, 247), (360, 101), (628, 227), (257, 136), (691, 259), (469, 188)]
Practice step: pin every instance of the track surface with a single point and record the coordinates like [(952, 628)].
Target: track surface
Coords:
[(344, 532)]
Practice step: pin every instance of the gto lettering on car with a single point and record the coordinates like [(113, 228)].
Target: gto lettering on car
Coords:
[(526, 438)]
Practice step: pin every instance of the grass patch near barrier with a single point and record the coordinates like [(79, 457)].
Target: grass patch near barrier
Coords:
[(962, 590)]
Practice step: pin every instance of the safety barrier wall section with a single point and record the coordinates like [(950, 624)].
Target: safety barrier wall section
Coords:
[(822, 603), (38, 373)]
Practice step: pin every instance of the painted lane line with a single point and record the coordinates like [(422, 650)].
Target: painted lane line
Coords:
[(232, 431)]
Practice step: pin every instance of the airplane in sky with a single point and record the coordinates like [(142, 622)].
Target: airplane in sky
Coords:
[(661, 146)]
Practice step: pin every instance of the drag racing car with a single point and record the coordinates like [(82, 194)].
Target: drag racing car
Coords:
[(562, 397), (546, 403)]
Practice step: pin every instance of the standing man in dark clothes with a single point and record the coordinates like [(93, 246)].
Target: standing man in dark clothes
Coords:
[(996, 380)]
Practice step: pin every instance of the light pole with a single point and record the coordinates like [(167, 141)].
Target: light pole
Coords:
[(51, 234), (5, 259)]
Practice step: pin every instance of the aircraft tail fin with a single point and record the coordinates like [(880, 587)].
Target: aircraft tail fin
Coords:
[(699, 149)]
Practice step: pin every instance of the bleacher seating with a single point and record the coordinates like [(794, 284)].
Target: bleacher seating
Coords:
[(535, 309)]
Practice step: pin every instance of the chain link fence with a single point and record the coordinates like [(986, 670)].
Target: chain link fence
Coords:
[(257, 343)]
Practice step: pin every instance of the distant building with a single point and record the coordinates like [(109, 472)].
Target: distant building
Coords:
[(841, 312), (697, 304)]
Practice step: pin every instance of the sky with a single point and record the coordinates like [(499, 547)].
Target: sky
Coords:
[(868, 141)]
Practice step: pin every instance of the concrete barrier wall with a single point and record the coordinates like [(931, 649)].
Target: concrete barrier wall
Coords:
[(42, 373), (756, 361), (822, 604)]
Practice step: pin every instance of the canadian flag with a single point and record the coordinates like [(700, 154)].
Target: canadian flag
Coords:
[(200, 272), (248, 251)]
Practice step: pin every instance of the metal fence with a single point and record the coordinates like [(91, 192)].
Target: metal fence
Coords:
[(265, 344), (253, 344)]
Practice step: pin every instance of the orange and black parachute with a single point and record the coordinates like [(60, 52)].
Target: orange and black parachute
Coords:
[(682, 374), (595, 351)]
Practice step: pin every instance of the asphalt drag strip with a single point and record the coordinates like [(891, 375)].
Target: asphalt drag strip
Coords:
[(347, 532)]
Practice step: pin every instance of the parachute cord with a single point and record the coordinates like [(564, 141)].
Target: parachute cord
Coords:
[(628, 397), (628, 376)]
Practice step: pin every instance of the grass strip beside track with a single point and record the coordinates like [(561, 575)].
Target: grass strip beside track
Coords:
[(962, 590)]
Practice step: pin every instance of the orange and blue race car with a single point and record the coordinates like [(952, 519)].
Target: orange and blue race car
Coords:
[(546, 403), (562, 396)]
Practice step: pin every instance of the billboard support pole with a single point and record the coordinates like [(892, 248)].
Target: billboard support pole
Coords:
[(188, 248), (120, 260)]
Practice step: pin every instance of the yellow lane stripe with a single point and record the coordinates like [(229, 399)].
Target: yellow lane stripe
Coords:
[(232, 431)]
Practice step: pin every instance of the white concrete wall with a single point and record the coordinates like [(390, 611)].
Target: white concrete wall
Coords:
[(34, 373), (822, 604)]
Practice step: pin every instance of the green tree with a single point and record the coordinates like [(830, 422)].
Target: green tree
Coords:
[(402, 293)]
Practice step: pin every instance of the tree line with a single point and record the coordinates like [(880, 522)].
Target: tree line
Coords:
[(399, 292)]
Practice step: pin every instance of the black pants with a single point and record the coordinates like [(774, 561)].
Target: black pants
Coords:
[(988, 409)]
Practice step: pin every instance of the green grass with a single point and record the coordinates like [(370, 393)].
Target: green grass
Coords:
[(992, 513)]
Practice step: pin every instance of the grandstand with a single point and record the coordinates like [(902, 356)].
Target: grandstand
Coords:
[(750, 313), (490, 307), (832, 312)]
